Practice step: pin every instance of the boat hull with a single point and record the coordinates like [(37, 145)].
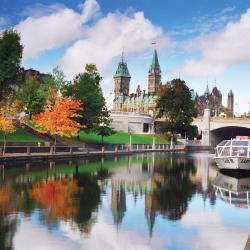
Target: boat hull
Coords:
[(242, 163)]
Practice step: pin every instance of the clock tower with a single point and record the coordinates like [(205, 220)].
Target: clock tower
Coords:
[(154, 75), (122, 79)]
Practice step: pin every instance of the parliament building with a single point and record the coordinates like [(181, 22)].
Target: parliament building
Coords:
[(143, 102)]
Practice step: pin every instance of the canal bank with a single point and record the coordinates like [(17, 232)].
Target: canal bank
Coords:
[(48, 153)]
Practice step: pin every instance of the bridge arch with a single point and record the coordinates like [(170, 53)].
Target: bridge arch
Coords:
[(227, 132)]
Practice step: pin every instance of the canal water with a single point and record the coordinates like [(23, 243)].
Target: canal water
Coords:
[(144, 201)]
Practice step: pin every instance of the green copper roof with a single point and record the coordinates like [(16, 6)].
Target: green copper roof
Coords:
[(122, 70), (207, 91), (193, 94), (230, 93), (155, 61)]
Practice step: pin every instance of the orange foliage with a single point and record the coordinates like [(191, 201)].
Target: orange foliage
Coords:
[(9, 201), (58, 196), (6, 116), (59, 119)]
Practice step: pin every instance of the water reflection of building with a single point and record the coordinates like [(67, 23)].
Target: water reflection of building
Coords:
[(150, 212), (163, 182), (118, 203)]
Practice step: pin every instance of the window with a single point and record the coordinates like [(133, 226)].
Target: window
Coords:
[(145, 127)]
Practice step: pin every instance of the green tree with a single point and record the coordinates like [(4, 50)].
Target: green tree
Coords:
[(10, 58), (32, 96), (104, 131), (59, 78), (176, 106), (86, 87)]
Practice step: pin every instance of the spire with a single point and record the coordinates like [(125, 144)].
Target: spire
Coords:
[(230, 93), (207, 91), (155, 61), (122, 70)]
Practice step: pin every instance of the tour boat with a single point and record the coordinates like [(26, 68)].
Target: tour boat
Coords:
[(234, 153), (233, 190)]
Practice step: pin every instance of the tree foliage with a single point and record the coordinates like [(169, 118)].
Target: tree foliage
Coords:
[(10, 58), (86, 87), (176, 106), (59, 119), (7, 114), (59, 78), (58, 196), (32, 96)]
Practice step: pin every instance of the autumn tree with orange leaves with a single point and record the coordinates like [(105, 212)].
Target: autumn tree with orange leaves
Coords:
[(59, 119), (7, 114)]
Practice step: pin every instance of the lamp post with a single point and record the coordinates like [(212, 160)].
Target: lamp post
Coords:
[(130, 138)]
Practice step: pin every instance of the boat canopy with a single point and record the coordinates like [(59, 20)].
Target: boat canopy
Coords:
[(235, 147)]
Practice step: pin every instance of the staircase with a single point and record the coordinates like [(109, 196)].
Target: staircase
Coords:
[(44, 136)]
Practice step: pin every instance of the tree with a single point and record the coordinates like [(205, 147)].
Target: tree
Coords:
[(59, 78), (10, 59), (104, 131), (175, 104), (32, 96), (86, 87), (6, 123), (59, 119)]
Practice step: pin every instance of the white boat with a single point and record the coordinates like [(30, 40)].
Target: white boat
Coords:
[(234, 153), (233, 190)]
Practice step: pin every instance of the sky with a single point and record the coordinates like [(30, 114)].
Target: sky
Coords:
[(202, 41)]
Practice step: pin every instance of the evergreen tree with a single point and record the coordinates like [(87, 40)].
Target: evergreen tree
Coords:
[(10, 59)]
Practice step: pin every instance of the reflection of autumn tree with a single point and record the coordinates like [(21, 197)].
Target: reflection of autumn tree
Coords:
[(8, 219), (173, 188), (58, 195)]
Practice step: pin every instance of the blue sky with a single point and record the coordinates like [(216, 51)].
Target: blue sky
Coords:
[(203, 41)]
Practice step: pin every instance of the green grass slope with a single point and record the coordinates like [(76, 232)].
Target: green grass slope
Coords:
[(20, 136), (121, 138)]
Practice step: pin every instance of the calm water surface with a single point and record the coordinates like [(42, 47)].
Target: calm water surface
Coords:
[(146, 201)]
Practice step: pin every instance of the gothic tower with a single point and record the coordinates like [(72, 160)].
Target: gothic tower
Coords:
[(122, 79), (154, 75), (230, 101)]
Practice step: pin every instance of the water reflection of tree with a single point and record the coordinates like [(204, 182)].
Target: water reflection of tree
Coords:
[(8, 218), (173, 188), (88, 200)]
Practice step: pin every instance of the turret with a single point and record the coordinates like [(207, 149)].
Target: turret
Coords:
[(122, 79), (230, 101)]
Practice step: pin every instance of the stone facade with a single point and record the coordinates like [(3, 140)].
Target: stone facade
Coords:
[(139, 102), (230, 101), (211, 100), (28, 73), (132, 122)]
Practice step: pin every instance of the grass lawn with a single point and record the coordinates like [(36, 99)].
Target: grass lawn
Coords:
[(121, 138), (20, 136)]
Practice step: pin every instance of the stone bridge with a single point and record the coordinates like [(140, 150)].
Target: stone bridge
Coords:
[(216, 129)]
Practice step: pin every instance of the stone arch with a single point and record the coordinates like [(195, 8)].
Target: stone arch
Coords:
[(227, 132)]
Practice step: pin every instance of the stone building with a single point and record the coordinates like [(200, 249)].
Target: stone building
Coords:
[(211, 100), (230, 101), (140, 101), (28, 73)]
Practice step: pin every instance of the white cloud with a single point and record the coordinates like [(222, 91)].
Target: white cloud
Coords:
[(104, 41), (3, 21), (39, 9), (213, 232), (221, 50), (103, 236), (54, 30)]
